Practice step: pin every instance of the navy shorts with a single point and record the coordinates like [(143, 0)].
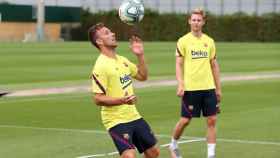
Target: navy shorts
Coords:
[(196, 102), (131, 135)]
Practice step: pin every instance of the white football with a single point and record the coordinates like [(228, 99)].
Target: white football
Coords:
[(131, 11)]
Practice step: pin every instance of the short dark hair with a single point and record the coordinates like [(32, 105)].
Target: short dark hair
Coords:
[(92, 33)]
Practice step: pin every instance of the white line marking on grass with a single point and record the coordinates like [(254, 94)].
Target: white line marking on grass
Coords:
[(161, 146), (158, 135), (239, 141), (78, 130), (192, 139), (248, 141), (185, 141), (39, 99), (48, 91), (100, 155), (198, 139), (55, 129)]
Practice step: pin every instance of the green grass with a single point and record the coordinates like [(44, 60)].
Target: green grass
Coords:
[(44, 63), (69, 125), (250, 112)]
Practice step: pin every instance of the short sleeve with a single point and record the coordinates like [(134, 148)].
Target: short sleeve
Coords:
[(132, 67), (212, 50), (179, 49), (99, 80)]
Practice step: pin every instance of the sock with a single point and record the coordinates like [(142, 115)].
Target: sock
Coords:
[(173, 144), (211, 149)]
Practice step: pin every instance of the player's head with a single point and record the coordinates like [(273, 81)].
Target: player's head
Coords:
[(101, 36), (197, 19)]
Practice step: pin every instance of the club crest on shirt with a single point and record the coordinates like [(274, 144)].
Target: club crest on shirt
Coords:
[(205, 45), (125, 64), (191, 107)]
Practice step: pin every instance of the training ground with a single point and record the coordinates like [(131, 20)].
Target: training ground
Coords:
[(48, 111)]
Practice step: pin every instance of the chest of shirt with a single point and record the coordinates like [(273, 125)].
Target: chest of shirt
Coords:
[(198, 50), (119, 72)]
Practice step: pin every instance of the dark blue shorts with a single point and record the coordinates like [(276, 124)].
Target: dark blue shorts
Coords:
[(131, 135), (196, 102)]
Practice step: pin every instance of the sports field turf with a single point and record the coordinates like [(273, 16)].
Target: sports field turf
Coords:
[(72, 62), (68, 125)]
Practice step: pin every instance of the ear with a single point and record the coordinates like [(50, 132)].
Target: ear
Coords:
[(99, 41), (189, 21)]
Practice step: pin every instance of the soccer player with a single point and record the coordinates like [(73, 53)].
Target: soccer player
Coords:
[(113, 91), (197, 73)]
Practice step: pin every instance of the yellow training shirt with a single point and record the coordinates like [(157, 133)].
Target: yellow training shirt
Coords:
[(197, 53), (113, 78)]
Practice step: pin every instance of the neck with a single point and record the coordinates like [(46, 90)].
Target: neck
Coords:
[(109, 52), (197, 33)]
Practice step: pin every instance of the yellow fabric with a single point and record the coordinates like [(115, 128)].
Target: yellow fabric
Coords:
[(197, 53), (113, 78)]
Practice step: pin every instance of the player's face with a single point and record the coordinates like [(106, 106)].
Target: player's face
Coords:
[(106, 37), (196, 22)]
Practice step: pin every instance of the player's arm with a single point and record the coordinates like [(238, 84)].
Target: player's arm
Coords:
[(216, 74), (179, 75), (99, 87), (137, 48), (103, 100)]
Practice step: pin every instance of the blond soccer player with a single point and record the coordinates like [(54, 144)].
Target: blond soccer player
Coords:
[(198, 76)]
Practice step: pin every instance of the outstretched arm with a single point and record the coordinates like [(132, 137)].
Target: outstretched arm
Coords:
[(136, 46)]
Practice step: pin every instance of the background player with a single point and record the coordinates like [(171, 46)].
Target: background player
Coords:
[(197, 72)]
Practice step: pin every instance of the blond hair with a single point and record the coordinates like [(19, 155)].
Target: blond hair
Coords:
[(198, 11)]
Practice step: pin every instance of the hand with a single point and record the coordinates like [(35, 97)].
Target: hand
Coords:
[(180, 90), (218, 109), (130, 100), (218, 95), (136, 45)]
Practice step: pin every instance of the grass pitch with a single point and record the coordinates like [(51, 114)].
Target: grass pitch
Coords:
[(69, 125), (71, 63)]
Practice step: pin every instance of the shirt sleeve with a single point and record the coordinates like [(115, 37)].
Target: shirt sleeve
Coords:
[(179, 49), (212, 50), (99, 80)]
